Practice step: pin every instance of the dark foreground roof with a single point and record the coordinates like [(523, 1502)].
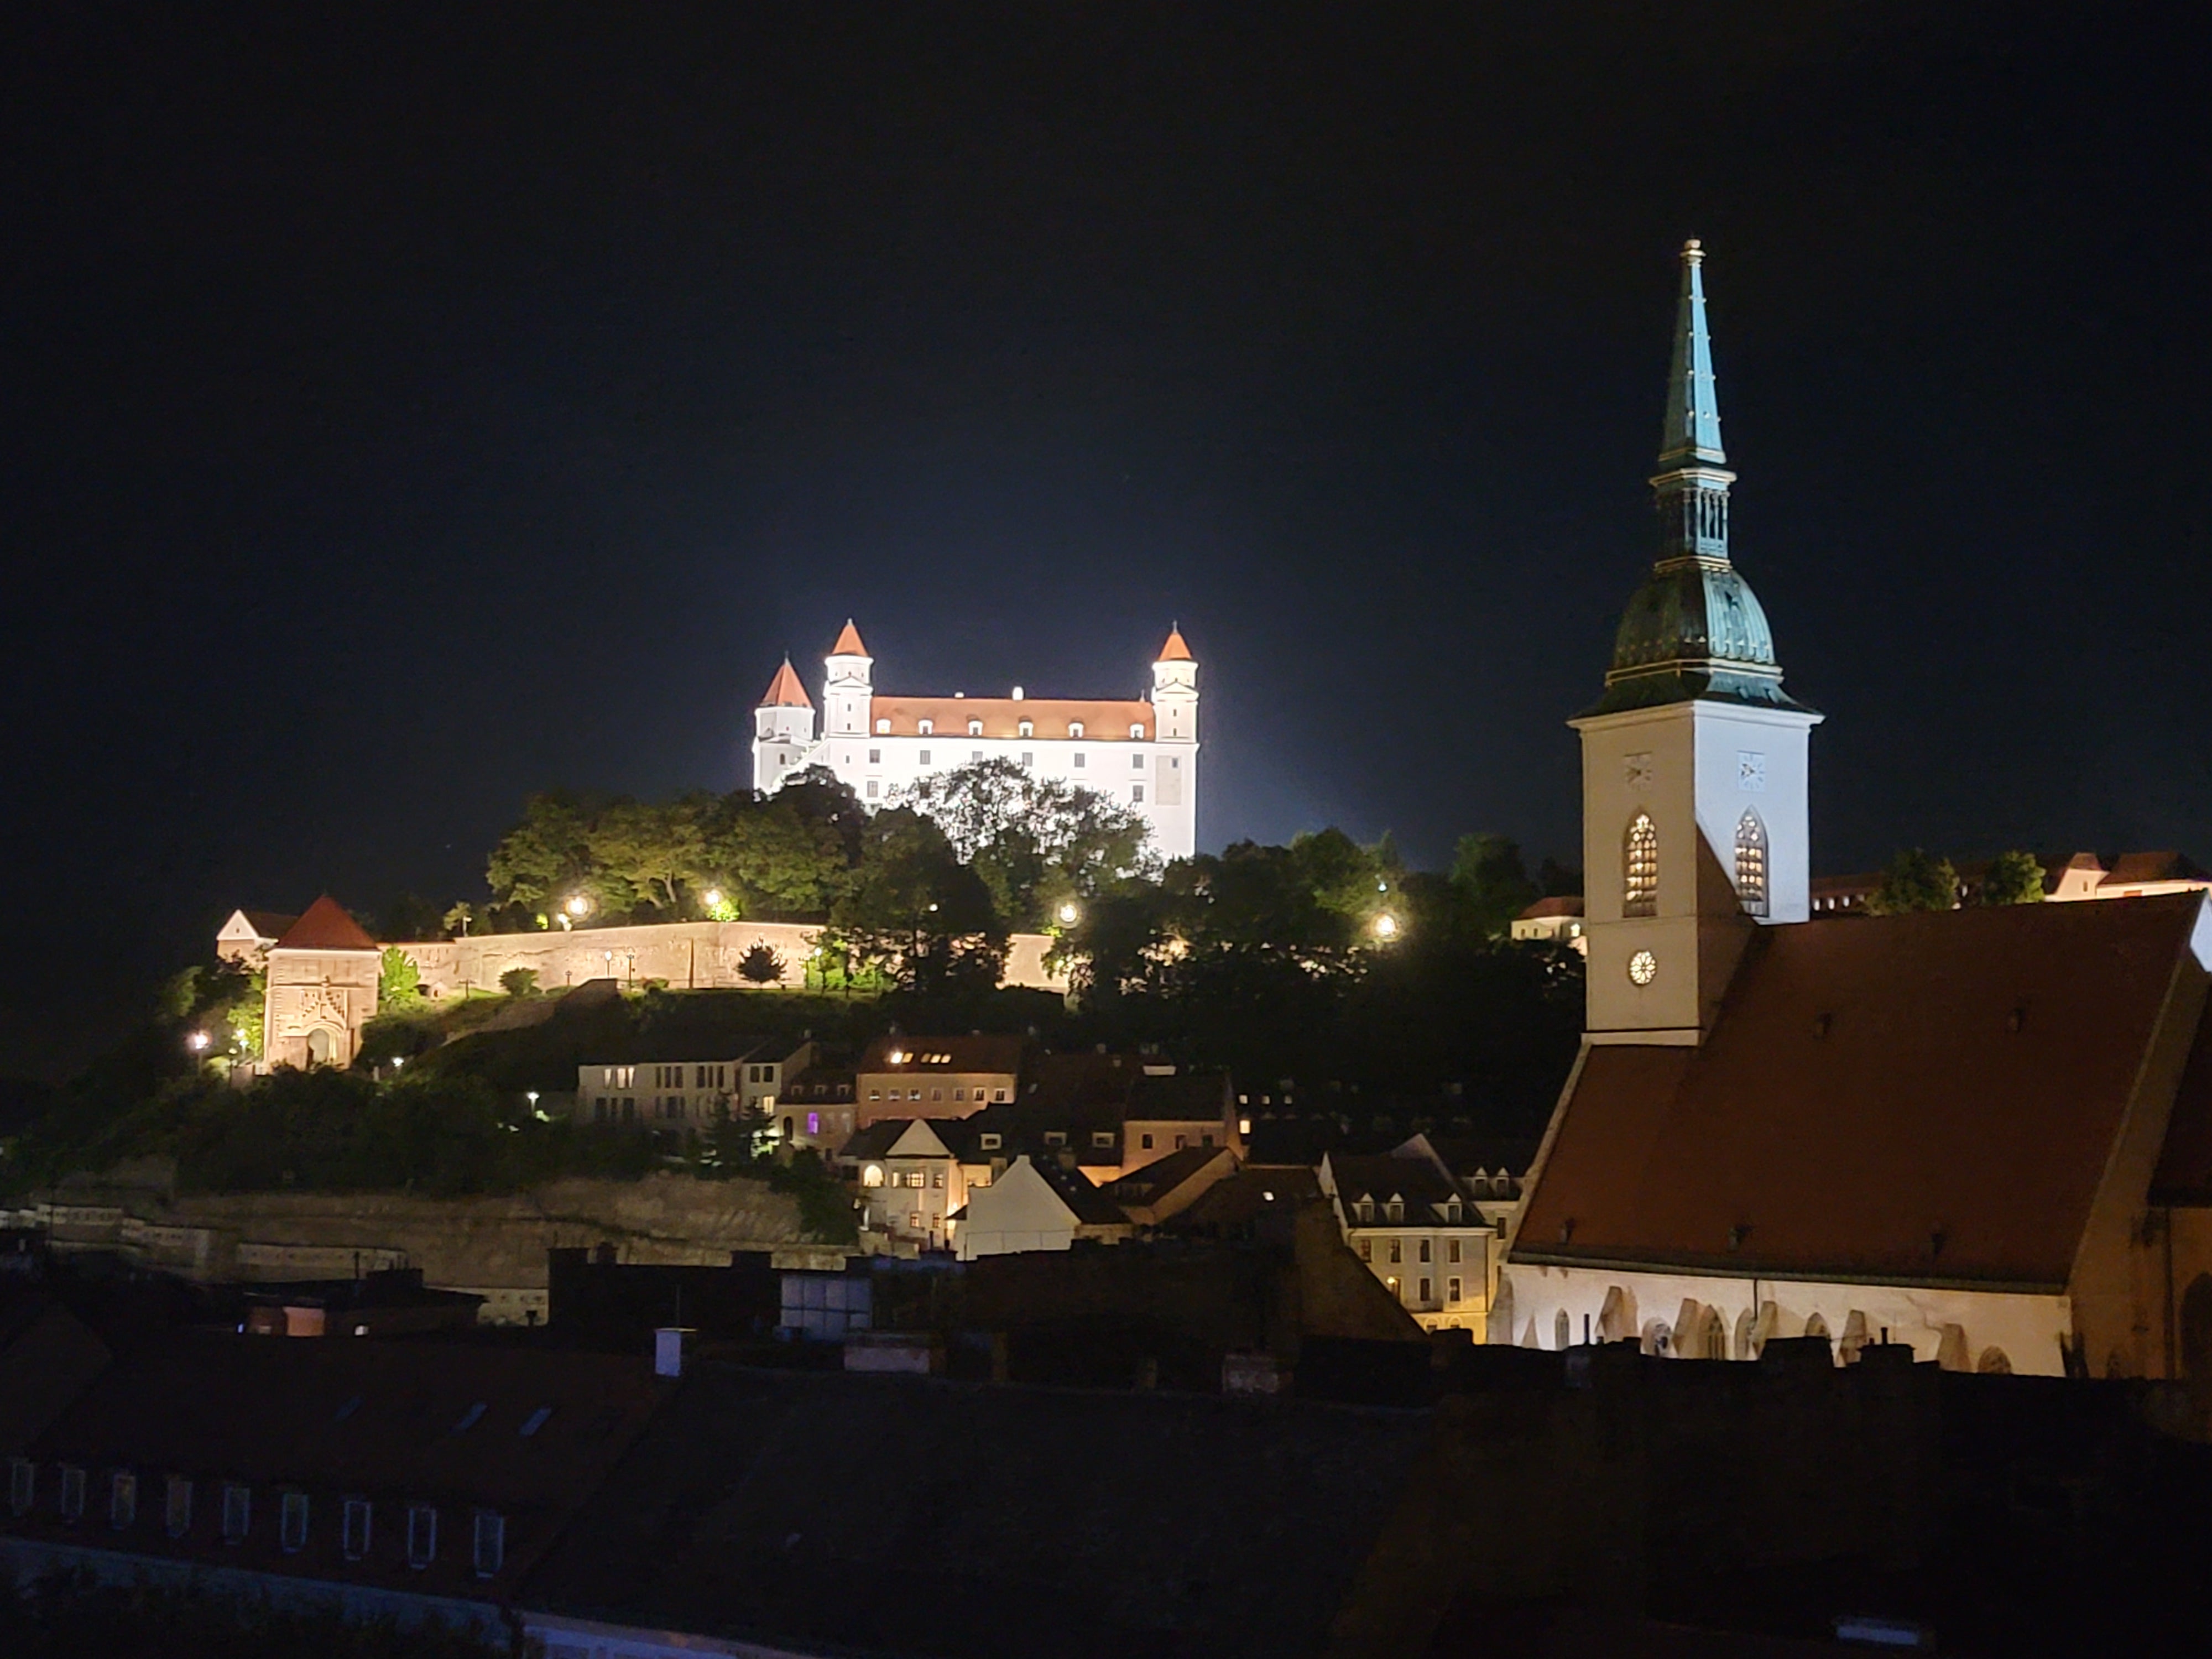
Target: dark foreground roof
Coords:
[(1928, 1097), (913, 1516)]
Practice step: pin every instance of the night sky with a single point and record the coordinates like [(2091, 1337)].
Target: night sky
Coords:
[(406, 411)]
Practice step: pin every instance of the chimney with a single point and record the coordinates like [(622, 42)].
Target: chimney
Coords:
[(669, 1343)]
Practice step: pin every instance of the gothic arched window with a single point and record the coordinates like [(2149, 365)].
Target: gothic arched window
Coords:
[(1751, 863), (1639, 867)]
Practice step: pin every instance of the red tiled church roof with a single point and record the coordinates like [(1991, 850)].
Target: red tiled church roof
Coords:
[(848, 642), (1925, 1097), (325, 926), (785, 691)]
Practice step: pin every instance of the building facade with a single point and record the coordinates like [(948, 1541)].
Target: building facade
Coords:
[(1138, 752)]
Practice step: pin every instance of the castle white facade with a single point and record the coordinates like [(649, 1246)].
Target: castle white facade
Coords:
[(1140, 753)]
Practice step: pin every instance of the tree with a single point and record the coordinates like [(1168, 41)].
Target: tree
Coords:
[(911, 909), (760, 964), (643, 854), (777, 857), (457, 919), (398, 982), (1916, 880), (518, 982), (2014, 878), (1035, 842), (547, 855), (1491, 882)]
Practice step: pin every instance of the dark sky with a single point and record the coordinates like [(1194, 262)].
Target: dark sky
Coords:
[(405, 411)]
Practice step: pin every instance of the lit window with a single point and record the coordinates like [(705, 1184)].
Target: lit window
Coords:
[(814, 1123), (1751, 863), (237, 1512), (72, 1492), (353, 1530), (1639, 886), (491, 1552), (292, 1523), (177, 1510), (872, 1176), (122, 1499), (1075, 728), (422, 1535), (23, 1484), (1643, 968), (882, 728)]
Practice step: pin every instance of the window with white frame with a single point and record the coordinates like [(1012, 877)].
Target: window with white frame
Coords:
[(1026, 728), (1081, 759), (975, 730), (925, 757), (237, 1512), (292, 1523), (875, 757), (925, 726), (1075, 728), (422, 1535), (1136, 794), (354, 1530), (882, 728), (490, 1550), (1137, 732)]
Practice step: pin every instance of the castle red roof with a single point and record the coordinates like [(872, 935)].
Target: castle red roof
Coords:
[(848, 642), (1102, 719), (1174, 650), (1933, 1097), (325, 926), (785, 691)]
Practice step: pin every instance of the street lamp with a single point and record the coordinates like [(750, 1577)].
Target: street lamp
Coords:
[(713, 898), (1069, 910), (1386, 925), (198, 1043)]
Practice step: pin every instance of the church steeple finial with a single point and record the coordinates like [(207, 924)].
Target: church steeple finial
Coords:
[(1693, 479)]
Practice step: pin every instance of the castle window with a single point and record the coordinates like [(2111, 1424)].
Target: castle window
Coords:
[(976, 729), (872, 790), (1137, 794), (925, 757), (977, 754), (875, 757), (1751, 863), (1137, 762), (1138, 733), (1080, 758), (882, 728), (1029, 757), (925, 726), (1075, 728), (1026, 729), (1640, 872)]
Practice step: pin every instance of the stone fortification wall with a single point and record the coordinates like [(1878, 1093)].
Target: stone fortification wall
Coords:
[(689, 954), (494, 1247)]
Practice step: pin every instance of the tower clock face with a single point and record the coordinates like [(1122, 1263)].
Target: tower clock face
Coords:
[(1643, 968), (1638, 769), (1750, 769)]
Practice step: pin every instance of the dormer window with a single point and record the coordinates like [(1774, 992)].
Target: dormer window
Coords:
[(1102, 1137), (1026, 729), (1075, 728), (1367, 1209), (990, 1142), (1136, 732), (925, 726), (974, 728), (1394, 1210), (882, 728), (1056, 1138)]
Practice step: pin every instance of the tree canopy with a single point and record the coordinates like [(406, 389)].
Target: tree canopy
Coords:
[(1917, 880)]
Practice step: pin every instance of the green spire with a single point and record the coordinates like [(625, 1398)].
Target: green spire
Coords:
[(1694, 631), (1693, 410)]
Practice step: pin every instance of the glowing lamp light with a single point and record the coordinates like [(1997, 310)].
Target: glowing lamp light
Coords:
[(198, 1043), (1068, 913), (714, 897), (398, 1061), (1386, 925), (578, 905)]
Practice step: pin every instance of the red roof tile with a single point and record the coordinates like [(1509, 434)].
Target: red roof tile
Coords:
[(785, 691), (1927, 1097), (848, 642), (1174, 650), (325, 926), (1102, 719)]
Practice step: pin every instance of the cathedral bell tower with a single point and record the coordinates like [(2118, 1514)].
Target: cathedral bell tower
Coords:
[(1694, 825)]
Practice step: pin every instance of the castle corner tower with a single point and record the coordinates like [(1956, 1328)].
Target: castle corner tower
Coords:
[(783, 728), (1694, 759)]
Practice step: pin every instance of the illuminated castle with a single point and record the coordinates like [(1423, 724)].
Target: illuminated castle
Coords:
[(1140, 753)]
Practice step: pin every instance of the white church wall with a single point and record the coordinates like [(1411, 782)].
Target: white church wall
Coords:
[(1957, 1327)]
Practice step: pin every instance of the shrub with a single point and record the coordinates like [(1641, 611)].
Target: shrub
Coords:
[(760, 965), (519, 981)]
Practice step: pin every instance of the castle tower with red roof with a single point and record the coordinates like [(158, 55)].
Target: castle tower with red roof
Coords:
[(1140, 753), (322, 987)]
